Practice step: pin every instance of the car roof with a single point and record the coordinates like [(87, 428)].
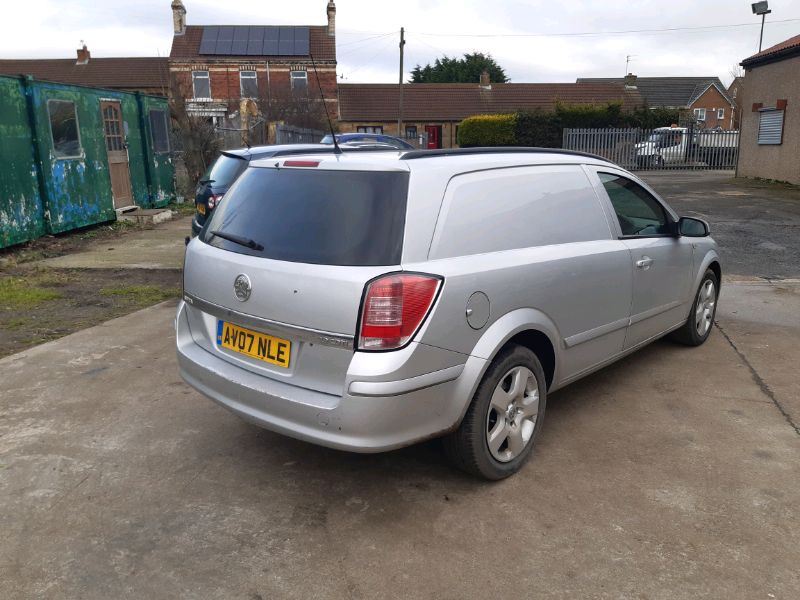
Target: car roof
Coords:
[(449, 160)]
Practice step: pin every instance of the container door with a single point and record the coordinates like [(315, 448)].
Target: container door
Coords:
[(117, 154)]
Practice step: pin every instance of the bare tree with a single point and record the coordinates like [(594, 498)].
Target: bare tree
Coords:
[(293, 108)]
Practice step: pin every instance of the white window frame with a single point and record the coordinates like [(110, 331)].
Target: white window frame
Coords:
[(299, 76), (720, 114), (251, 74), (370, 129), (201, 75), (698, 112)]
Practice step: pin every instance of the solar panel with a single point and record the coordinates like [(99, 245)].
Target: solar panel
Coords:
[(256, 40), (286, 43), (240, 37), (208, 45), (301, 47)]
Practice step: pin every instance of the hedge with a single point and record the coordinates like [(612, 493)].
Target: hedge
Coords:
[(544, 129), (488, 130)]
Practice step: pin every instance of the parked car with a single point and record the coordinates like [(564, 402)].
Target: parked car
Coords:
[(219, 177), (368, 301), (368, 137), (676, 145)]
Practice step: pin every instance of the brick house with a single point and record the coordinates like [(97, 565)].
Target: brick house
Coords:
[(734, 93), (769, 144), (215, 67), (434, 110), (148, 75), (705, 98)]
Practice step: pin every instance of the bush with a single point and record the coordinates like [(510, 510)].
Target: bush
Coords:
[(545, 129), (488, 130)]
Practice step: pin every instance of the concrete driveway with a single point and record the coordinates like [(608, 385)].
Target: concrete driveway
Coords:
[(673, 474)]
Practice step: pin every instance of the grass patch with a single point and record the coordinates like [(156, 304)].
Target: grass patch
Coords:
[(16, 293), (16, 323), (141, 294)]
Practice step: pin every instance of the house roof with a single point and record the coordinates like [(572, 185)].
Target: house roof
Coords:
[(456, 101), (115, 73), (673, 92), (786, 49), (187, 46)]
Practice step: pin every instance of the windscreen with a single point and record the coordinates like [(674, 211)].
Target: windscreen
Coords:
[(353, 218), (224, 170)]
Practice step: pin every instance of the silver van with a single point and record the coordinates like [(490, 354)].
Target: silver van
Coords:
[(370, 300)]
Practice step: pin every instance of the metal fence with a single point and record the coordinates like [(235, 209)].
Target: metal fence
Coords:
[(660, 148), (286, 134)]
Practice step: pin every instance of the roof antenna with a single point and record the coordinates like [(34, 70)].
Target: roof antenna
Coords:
[(336, 149)]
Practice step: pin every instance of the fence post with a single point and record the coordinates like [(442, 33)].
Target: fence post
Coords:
[(36, 133)]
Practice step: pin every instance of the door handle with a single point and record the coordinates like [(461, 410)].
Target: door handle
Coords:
[(644, 262)]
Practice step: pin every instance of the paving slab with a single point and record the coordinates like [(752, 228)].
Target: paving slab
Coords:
[(160, 247), (669, 475)]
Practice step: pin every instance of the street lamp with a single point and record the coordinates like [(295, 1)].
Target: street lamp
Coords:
[(761, 8)]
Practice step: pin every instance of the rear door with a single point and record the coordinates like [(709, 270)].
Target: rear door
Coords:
[(318, 236), (117, 151), (661, 262)]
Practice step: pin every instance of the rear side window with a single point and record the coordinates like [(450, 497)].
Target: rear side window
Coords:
[(353, 218), (506, 209), (225, 170)]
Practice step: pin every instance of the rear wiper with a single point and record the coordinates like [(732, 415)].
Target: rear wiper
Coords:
[(237, 239)]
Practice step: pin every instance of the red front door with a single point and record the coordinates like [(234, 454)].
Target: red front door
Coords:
[(434, 135)]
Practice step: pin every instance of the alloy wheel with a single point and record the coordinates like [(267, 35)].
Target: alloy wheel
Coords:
[(512, 414), (704, 310)]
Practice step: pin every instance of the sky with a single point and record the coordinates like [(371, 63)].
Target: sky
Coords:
[(534, 41)]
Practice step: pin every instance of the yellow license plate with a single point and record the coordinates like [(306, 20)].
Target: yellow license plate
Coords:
[(201, 208), (254, 344)]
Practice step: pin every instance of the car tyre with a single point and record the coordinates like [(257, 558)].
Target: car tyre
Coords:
[(701, 318), (510, 401)]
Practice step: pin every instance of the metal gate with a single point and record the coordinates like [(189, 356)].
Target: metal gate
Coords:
[(660, 148)]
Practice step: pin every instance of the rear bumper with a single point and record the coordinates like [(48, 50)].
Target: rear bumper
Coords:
[(359, 420)]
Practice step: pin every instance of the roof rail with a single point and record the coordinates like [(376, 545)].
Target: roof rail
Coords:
[(414, 154), (326, 149)]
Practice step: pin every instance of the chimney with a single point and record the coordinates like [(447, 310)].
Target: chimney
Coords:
[(331, 18), (630, 81), (83, 56), (485, 81), (178, 17)]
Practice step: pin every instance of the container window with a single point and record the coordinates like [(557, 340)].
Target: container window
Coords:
[(64, 128), (159, 131)]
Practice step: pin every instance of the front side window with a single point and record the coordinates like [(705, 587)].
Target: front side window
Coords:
[(638, 212), (299, 80), (700, 114), (64, 128), (159, 132), (248, 84), (201, 84)]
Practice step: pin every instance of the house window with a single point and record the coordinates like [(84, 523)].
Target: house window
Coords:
[(700, 114), (411, 132), (369, 129), (720, 114), (248, 84), (299, 82), (159, 132), (201, 85), (64, 129), (770, 127)]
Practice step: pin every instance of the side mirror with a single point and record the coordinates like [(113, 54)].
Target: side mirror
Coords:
[(691, 227)]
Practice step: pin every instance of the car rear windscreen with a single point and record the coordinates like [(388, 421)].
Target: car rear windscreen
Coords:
[(353, 218), (224, 170)]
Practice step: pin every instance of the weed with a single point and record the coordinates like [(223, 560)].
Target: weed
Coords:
[(16, 293), (142, 295)]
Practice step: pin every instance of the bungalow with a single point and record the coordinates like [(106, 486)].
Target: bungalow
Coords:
[(705, 98), (432, 111)]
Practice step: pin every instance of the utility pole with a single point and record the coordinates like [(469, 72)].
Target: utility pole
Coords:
[(762, 9), (761, 37), (400, 107)]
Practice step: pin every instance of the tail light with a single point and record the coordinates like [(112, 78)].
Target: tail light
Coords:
[(394, 308), (214, 200)]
